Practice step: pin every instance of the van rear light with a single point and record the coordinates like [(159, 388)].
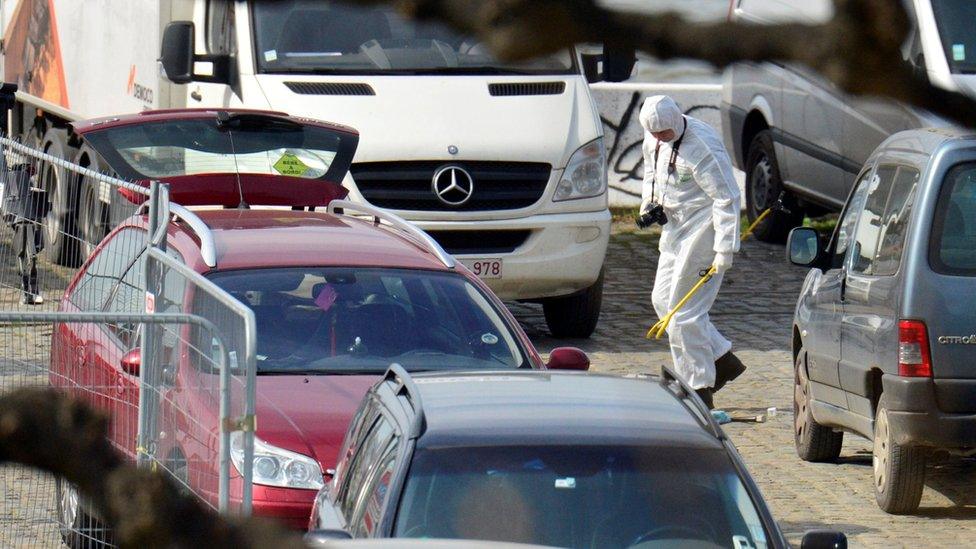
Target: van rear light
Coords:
[(914, 359)]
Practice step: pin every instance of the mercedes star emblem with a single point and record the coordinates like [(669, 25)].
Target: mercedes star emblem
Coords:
[(452, 185)]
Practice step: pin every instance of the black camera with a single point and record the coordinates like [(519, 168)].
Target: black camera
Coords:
[(654, 216)]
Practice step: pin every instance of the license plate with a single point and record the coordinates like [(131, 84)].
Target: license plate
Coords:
[(484, 268)]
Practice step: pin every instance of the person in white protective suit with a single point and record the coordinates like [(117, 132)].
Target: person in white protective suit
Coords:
[(687, 171)]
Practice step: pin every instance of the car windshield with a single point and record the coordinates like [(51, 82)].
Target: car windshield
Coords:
[(248, 144), (570, 496), (953, 247), (336, 37), (319, 320), (956, 20)]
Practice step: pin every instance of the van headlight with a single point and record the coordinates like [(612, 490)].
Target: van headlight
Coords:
[(585, 175), (275, 466)]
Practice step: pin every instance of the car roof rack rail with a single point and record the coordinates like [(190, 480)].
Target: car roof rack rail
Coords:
[(675, 385), (408, 387), (208, 247), (378, 214)]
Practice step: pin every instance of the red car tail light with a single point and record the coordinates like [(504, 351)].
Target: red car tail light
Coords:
[(914, 358)]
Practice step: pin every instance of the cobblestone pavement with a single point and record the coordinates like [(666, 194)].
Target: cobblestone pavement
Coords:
[(755, 309)]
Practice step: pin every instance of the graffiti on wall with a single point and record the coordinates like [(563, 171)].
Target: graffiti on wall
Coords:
[(625, 156)]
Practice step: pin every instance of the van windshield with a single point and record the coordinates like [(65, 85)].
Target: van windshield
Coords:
[(316, 36), (953, 247), (332, 320), (956, 20)]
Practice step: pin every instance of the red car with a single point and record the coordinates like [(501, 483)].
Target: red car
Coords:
[(336, 299)]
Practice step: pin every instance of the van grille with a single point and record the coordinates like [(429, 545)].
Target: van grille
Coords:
[(330, 88), (527, 88), (408, 185), (480, 242)]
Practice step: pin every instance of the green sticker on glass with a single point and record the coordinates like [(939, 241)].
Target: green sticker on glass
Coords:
[(959, 52), (290, 164)]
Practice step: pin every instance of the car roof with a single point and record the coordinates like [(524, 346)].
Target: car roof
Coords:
[(555, 408), (163, 115), (260, 238), (924, 141)]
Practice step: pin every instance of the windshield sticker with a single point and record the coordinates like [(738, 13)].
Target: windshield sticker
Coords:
[(489, 339), (959, 52), (290, 164), (567, 483), (271, 55)]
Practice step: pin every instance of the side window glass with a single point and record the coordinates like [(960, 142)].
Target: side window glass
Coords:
[(359, 424), (894, 226), (107, 268), (375, 493), (221, 39), (869, 223), (363, 462), (952, 249), (845, 227), (129, 297)]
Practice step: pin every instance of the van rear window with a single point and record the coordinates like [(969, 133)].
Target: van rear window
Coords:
[(953, 246)]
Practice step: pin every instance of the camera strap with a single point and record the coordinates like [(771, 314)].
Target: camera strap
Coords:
[(673, 161)]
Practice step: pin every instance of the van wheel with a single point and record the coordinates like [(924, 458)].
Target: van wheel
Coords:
[(814, 442), (899, 471), (763, 188), (79, 530), (575, 316), (60, 243)]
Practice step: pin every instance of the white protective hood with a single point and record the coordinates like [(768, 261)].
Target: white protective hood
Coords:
[(660, 113)]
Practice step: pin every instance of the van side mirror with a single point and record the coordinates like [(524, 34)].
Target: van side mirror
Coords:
[(176, 53), (618, 62), (824, 539), (803, 247), (568, 358), (179, 61)]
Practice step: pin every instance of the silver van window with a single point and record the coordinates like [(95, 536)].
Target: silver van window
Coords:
[(952, 249), (870, 221), (894, 224)]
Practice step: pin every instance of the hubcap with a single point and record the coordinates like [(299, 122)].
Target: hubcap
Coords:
[(881, 452), (800, 403), (761, 182), (51, 185), (69, 504)]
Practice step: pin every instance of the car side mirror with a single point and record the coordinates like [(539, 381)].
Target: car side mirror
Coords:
[(568, 358), (131, 362), (176, 53), (824, 539), (804, 247), (324, 538)]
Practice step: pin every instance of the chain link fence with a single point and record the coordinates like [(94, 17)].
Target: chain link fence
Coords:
[(171, 361)]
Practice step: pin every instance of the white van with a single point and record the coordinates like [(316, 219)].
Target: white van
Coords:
[(791, 131), (503, 164)]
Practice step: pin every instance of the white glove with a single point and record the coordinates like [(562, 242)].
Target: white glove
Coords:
[(722, 262), (646, 205)]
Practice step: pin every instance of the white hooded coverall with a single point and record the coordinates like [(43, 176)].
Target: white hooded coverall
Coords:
[(701, 200)]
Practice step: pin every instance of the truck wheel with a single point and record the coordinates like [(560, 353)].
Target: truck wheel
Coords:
[(60, 242), (763, 188), (575, 316), (79, 530), (814, 442), (93, 212), (899, 471)]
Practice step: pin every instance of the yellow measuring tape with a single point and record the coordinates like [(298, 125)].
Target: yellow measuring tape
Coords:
[(659, 328)]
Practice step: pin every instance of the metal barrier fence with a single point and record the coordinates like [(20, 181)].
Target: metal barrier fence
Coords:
[(138, 368)]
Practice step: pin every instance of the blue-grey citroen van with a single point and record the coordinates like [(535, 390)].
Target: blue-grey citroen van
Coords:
[(884, 334)]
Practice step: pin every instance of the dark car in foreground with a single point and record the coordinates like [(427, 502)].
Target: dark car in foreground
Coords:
[(549, 458), (884, 335)]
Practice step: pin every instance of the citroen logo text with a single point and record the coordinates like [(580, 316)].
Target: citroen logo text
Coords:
[(452, 185)]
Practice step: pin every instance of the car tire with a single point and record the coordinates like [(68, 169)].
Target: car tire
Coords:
[(899, 471), (79, 530), (575, 316), (60, 224), (814, 442), (93, 213), (764, 184)]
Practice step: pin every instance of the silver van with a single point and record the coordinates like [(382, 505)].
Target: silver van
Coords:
[(884, 334)]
